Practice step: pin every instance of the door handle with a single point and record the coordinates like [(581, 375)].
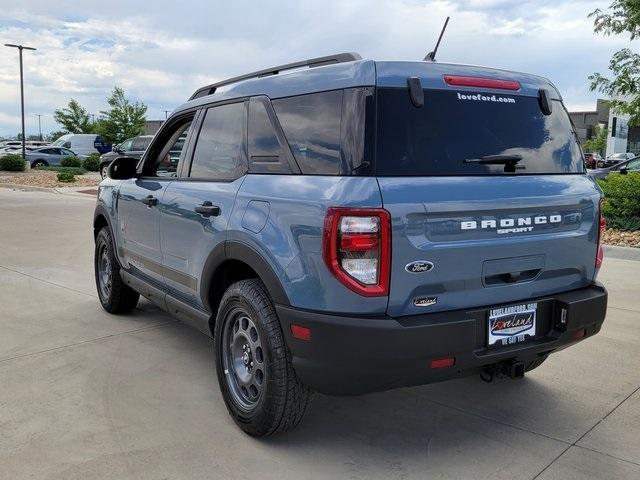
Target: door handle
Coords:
[(150, 200), (208, 209)]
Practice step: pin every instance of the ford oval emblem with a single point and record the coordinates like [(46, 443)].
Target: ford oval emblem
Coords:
[(419, 266)]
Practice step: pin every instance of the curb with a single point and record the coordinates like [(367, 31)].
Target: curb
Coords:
[(622, 253), (55, 190)]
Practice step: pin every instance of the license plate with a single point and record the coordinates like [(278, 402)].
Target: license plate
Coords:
[(512, 324)]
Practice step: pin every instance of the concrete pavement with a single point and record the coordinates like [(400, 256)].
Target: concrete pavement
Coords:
[(84, 394)]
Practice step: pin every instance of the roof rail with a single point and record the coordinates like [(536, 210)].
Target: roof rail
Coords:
[(312, 62)]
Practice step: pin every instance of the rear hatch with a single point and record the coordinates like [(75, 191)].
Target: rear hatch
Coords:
[(488, 196)]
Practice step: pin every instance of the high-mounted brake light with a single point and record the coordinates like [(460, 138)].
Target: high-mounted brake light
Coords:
[(357, 248), (481, 82), (602, 225)]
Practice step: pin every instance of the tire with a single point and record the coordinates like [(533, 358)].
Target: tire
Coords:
[(39, 163), (103, 170), (256, 377), (600, 164), (534, 364), (115, 296)]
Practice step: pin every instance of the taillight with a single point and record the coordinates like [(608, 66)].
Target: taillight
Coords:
[(481, 82), (602, 225), (357, 248)]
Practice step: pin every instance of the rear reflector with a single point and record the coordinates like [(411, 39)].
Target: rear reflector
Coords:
[(480, 82), (443, 362), (580, 334), (300, 332)]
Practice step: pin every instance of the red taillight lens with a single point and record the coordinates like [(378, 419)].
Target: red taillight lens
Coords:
[(480, 82), (357, 248), (602, 225)]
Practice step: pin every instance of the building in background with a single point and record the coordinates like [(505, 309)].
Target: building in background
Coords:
[(152, 126), (620, 138)]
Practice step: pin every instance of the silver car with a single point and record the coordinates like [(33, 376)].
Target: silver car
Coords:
[(623, 168), (48, 156)]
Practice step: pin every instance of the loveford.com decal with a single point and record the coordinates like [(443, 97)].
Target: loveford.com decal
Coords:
[(478, 97)]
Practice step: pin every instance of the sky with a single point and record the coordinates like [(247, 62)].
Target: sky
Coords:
[(161, 51)]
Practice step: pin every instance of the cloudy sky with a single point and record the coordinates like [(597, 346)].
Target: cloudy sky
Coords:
[(161, 51)]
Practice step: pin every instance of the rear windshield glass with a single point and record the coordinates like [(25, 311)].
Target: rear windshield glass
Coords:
[(456, 133)]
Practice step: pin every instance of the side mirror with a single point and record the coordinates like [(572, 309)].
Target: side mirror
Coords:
[(122, 168), (624, 170)]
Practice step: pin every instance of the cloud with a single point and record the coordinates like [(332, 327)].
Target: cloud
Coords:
[(160, 55)]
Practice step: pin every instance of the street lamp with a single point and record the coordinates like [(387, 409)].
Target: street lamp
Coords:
[(20, 48)]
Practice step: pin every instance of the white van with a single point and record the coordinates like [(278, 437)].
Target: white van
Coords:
[(82, 144)]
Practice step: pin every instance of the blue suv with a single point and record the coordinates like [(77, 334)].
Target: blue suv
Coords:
[(347, 226)]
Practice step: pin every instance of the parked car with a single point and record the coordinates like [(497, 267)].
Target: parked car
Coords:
[(625, 167), (84, 144), (591, 160), (48, 156), (615, 159), (17, 144), (332, 232), (132, 148)]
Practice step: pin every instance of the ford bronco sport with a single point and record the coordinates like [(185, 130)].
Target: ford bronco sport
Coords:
[(347, 226)]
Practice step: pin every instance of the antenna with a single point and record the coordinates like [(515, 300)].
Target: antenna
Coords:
[(431, 56)]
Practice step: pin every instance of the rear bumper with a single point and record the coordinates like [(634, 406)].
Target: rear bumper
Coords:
[(355, 355)]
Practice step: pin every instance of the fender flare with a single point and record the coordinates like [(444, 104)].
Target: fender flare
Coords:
[(232, 250)]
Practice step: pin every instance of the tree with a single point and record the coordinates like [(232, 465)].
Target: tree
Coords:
[(123, 120), (622, 17), (598, 142), (74, 118), (53, 136)]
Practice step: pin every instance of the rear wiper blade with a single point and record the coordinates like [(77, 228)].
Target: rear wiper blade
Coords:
[(495, 160)]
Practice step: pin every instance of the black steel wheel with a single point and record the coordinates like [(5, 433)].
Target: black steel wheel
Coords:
[(257, 380), (115, 296)]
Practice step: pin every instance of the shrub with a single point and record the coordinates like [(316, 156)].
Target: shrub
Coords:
[(71, 162), (12, 163), (621, 196), (92, 162), (66, 177)]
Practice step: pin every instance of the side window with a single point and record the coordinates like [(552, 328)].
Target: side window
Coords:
[(168, 151), (219, 151), (126, 145), (311, 124), (634, 165), (139, 144), (265, 152)]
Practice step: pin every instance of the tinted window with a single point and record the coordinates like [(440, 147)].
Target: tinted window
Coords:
[(453, 126), (263, 141), (219, 150), (311, 124), (140, 144), (126, 145)]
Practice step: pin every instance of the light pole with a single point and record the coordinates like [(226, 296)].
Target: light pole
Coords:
[(39, 125), (166, 114), (20, 48)]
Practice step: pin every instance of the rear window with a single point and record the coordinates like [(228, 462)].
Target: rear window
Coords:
[(452, 127)]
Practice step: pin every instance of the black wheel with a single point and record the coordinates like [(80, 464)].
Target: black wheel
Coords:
[(103, 170), (38, 164), (532, 365), (257, 380), (115, 296)]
